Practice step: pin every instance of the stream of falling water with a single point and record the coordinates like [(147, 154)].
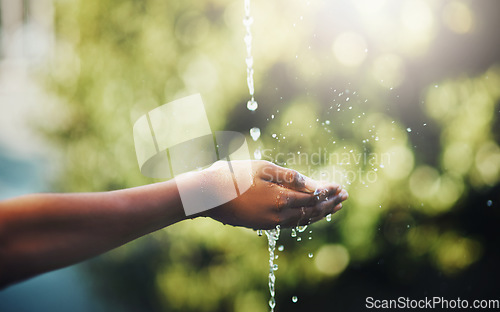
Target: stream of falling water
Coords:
[(274, 234), (248, 21), (272, 237)]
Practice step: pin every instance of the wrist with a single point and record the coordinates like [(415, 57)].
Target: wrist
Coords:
[(204, 190), (194, 192)]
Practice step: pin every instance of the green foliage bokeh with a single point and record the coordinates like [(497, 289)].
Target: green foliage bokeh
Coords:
[(116, 60)]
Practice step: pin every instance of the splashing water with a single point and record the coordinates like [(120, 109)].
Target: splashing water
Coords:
[(248, 21), (272, 237)]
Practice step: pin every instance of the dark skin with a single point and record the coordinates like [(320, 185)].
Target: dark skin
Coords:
[(44, 232)]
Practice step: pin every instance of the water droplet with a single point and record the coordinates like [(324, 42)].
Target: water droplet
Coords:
[(252, 105), (299, 239), (275, 267), (259, 232), (327, 122), (257, 154), (255, 133), (301, 228), (347, 100), (295, 299), (489, 203), (274, 135), (294, 233), (281, 247), (310, 255), (272, 302), (408, 129), (408, 226), (329, 217)]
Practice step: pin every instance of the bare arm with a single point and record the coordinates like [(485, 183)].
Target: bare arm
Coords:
[(43, 232)]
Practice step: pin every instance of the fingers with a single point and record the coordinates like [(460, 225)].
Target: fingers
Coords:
[(316, 219), (295, 200), (292, 179), (310, 214), (329, 210)]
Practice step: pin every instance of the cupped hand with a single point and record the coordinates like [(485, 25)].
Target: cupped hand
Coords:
[(276, 196)]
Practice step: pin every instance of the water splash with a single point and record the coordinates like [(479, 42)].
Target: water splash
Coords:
[(272, 237)]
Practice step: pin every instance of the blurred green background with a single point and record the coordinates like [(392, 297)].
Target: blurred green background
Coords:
[(396, 100)]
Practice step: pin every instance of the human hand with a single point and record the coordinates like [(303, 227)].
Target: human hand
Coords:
[(277, 196)]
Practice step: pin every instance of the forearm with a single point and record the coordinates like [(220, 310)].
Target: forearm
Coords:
[(42, 232)]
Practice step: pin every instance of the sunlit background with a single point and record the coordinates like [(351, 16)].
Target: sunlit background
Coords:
[(398, 100)]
